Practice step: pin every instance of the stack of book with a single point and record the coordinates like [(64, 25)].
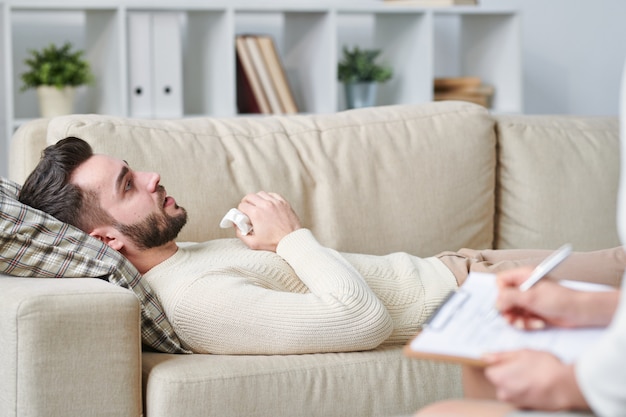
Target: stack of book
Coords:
[(464, 89), (262, 85), (432, 3)]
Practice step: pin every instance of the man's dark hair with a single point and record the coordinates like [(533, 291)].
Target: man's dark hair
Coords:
[(48, 187)]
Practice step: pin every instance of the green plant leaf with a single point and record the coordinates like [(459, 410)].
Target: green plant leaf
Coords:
[(56, 66), (359, 65)]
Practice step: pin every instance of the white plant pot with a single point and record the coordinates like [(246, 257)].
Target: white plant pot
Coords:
[(54, 101)]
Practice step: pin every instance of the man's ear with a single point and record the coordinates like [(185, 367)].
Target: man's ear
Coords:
[(108, 235)]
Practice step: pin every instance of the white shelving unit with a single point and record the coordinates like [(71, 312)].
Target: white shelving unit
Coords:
[(418, 43)]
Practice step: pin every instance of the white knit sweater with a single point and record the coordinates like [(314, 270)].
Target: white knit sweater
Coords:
[(222, 297)]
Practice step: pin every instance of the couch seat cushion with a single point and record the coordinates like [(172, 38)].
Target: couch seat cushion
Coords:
[(381, 382)]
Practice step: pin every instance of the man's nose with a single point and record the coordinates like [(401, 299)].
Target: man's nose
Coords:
[(152, 180)]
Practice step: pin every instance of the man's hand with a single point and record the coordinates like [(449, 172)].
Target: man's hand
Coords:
[(272, 219), (533, 379)]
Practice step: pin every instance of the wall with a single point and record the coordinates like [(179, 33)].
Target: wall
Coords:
[(573, 54)]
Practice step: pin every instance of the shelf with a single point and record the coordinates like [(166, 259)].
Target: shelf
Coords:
[(419, 44)]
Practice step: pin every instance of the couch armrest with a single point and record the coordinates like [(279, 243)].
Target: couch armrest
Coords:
[(69, 347)]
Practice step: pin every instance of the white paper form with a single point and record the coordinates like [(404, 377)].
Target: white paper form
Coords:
[(464, 328)]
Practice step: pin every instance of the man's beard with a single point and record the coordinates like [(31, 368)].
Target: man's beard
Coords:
[(155, 230)]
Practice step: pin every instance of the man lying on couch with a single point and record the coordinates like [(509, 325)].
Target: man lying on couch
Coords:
[(276, 290)]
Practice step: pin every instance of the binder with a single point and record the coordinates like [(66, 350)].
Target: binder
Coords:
[(140, 64), (155, 69), (462, 329), (167, 96)]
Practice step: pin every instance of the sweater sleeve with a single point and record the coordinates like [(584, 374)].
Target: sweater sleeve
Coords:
[(340, 313), (601, 371)]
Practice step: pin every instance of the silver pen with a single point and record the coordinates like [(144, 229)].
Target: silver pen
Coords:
[(546, 266), (540, 271)]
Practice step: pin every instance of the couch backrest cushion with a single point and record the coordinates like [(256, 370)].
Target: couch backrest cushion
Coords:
[(26, 146), (416, 178), (35, 244), (557, 182)]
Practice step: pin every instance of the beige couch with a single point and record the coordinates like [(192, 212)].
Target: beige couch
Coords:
[(421, 179)]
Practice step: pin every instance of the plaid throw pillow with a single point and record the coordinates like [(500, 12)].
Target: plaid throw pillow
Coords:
[(35, 244)]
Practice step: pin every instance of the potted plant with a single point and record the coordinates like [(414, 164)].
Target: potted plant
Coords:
[(360, 74), (55, 73)]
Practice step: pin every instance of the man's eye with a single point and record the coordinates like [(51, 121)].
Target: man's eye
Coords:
[(129, 185)]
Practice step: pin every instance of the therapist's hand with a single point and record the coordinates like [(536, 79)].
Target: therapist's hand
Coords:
[(549, 303), (532, 379)]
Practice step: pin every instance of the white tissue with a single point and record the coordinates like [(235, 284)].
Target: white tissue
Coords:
[(237, 218)]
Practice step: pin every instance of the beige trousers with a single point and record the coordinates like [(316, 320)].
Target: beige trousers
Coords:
[(603, 266)]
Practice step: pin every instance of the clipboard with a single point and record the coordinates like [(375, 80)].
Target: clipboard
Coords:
[(463, 328)]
